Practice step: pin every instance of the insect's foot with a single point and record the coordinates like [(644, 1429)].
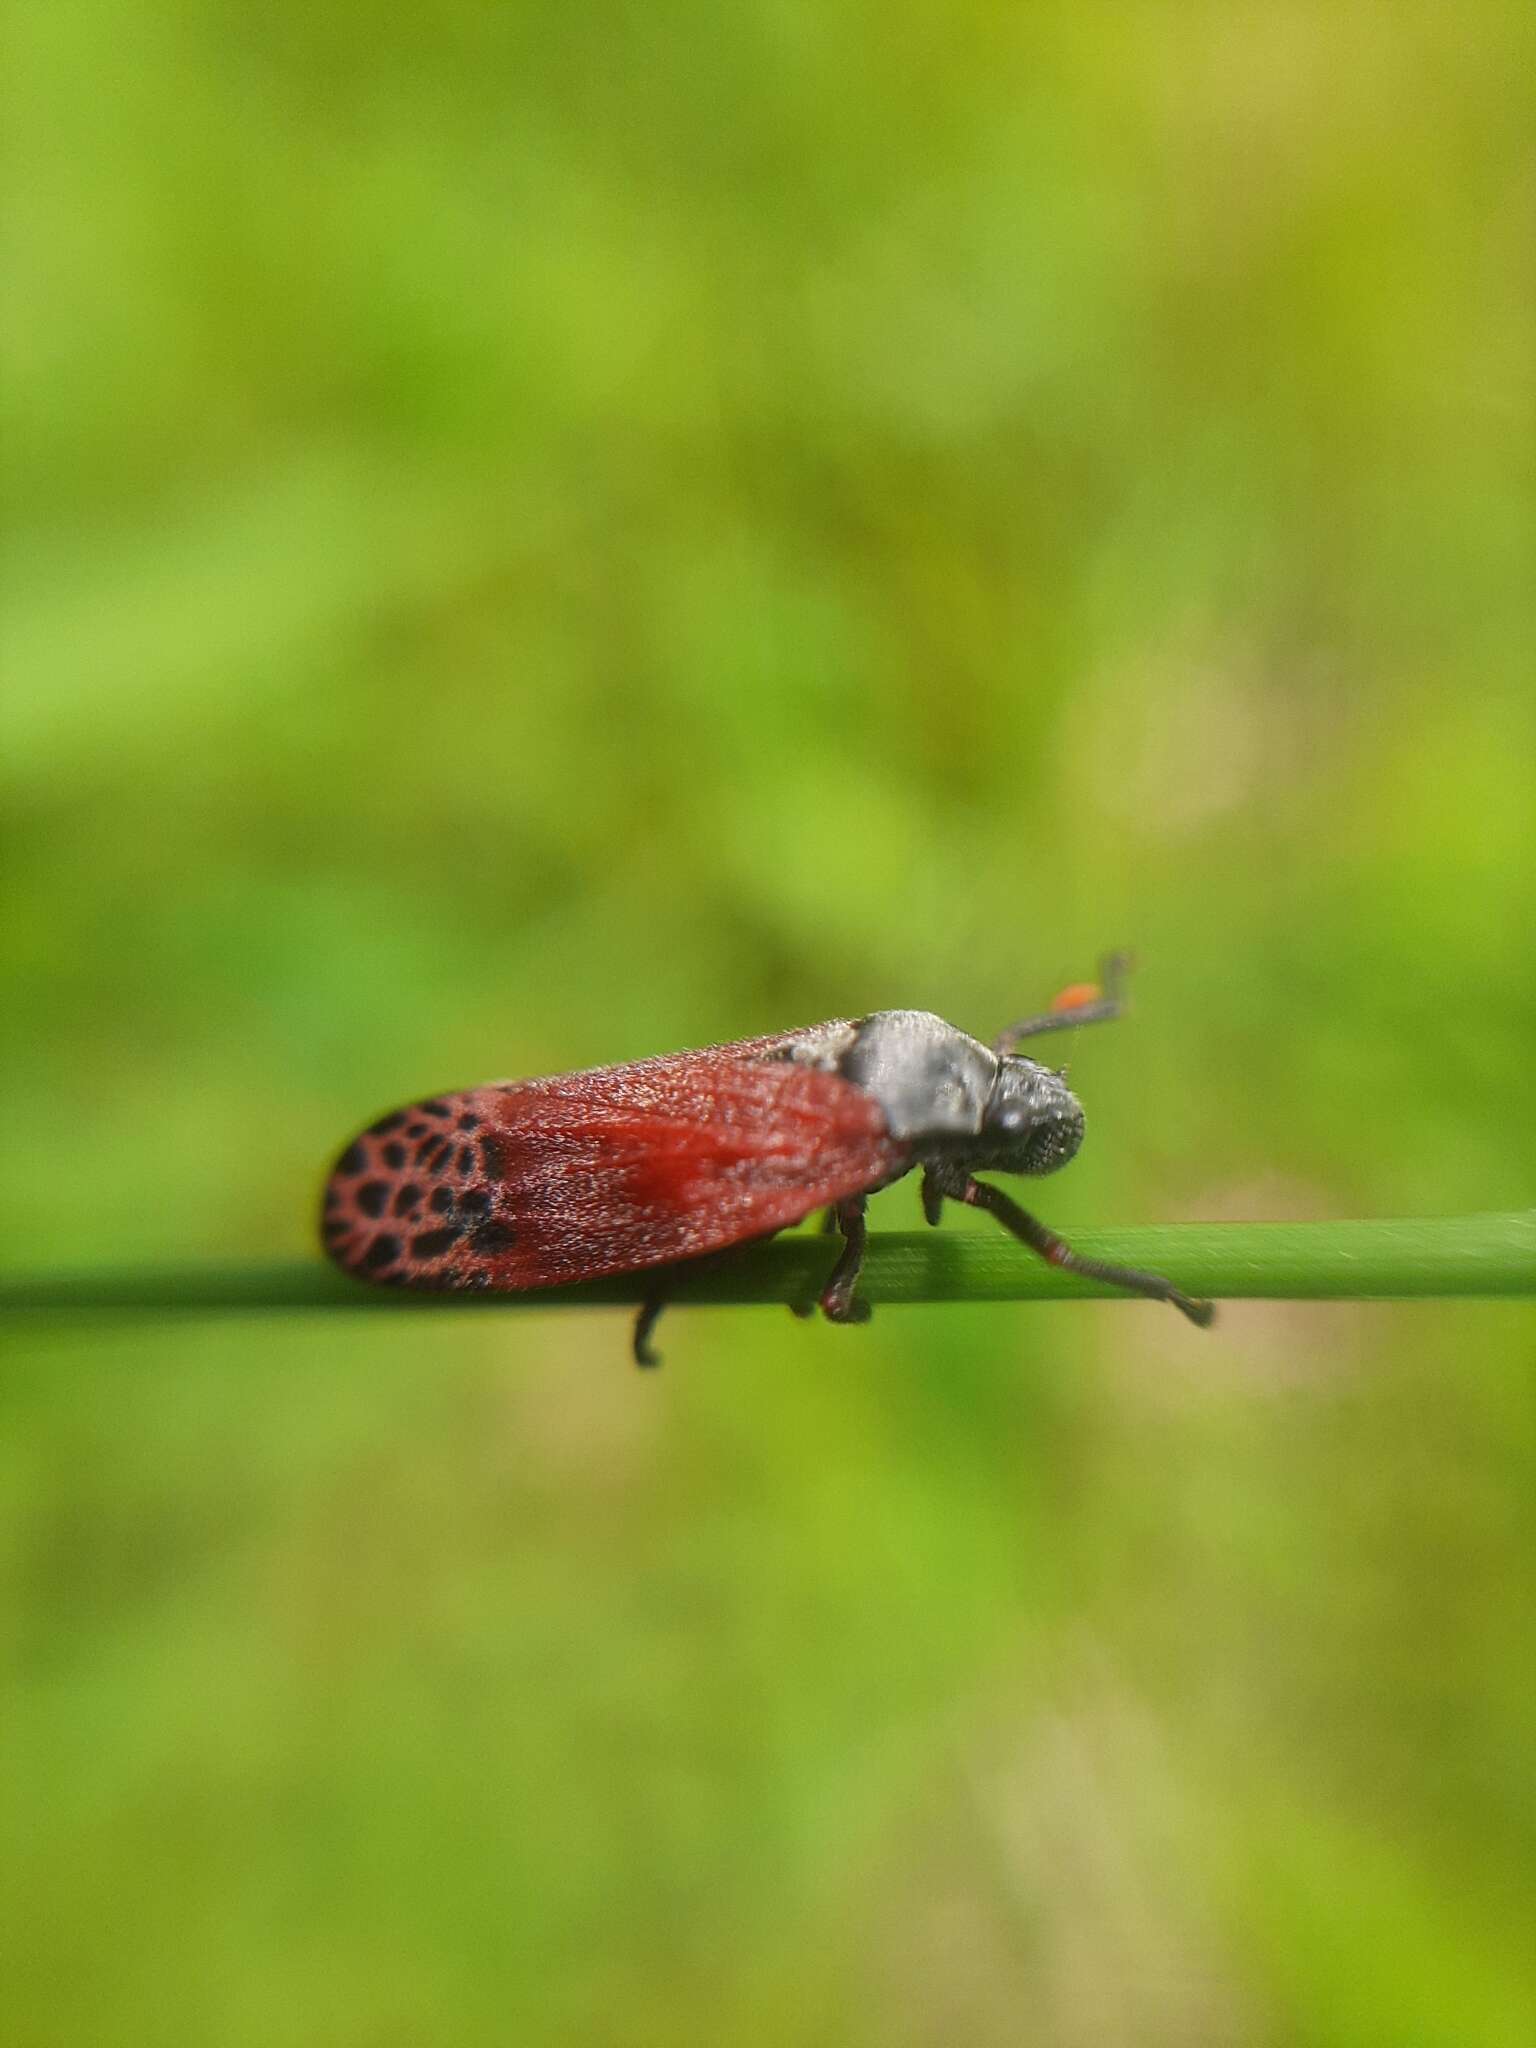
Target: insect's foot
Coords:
[(844, 1308), (1201, 1313)]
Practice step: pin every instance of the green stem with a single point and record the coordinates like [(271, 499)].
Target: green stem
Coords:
[(1349, 1261)]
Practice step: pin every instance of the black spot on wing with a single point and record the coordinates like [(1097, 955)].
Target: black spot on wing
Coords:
[(372, 1196), (353, 1160), (490, 1155), (469, 1121), (442, 1200), (492, 1236), (431, 1244), (407, 1197), (382, 1252), (386, 1124), (394, 1154)]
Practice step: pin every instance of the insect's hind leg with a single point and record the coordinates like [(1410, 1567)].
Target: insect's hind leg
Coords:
[(645, 1320), (838, 1303), (663, 1284)]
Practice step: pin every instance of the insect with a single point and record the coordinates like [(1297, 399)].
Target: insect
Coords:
[(525, 1184)]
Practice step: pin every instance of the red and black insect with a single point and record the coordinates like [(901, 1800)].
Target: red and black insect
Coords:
[(524, 1184)]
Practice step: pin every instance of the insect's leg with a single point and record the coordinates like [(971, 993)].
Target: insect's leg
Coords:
[(826, 1227), (645, 1321), (980, 1194), (1098, 1009), (933, 1197), (837, 1297)]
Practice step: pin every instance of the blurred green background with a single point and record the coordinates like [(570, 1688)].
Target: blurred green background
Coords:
[(539, 536)]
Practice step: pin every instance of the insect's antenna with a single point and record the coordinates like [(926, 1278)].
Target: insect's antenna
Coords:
[(1083, 1003), (1055, 1251)]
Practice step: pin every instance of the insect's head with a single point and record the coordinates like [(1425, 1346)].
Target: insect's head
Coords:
[(1032, 1123)]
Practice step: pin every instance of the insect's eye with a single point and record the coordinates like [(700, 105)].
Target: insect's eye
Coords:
[(1051, 1143)]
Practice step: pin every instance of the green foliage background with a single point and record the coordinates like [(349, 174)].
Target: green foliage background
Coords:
[(541, 535)]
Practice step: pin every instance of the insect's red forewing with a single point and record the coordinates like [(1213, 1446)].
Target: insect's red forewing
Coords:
[(530, 1183)]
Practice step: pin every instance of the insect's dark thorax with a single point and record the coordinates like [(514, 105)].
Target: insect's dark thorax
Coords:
[(932, 1081)]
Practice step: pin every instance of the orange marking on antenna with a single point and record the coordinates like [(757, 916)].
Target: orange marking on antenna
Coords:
[(1079, 993)]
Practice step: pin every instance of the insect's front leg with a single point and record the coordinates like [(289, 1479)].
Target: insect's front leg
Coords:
[(981, 1194), (837, 1297), (933, 1196)]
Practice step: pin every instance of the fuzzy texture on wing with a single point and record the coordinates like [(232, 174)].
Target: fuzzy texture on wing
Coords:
[(530, 1183)]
